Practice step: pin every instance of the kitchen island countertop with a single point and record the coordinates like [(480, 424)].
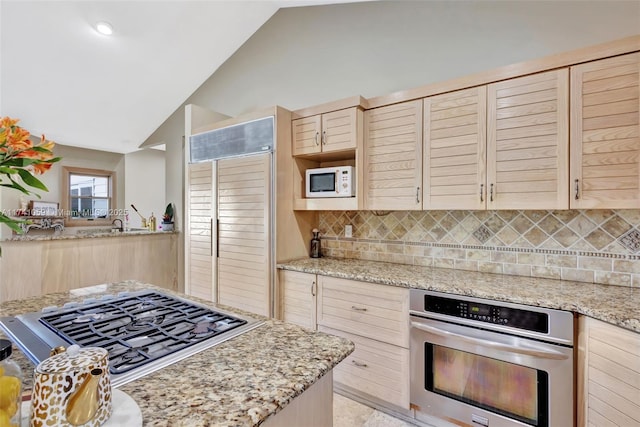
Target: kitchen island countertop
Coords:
[(618, 305), (84, 234), (240, 382)]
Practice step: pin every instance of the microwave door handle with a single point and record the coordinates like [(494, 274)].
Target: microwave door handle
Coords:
[(336, 184), (543, 354)]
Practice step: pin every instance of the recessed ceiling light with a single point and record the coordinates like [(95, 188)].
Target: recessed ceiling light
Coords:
[(104, 28)]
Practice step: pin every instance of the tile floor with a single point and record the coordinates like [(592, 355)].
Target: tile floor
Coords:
[(349, 413)]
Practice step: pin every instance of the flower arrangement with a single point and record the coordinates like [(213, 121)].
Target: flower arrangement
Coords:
[(20, 161)]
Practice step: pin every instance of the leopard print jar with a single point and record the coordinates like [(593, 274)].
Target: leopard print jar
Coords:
[(58, 377)]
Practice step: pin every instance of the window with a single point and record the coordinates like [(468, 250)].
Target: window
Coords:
[(89, 195)]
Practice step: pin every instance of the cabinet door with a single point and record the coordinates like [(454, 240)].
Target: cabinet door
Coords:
[(608, 375), (306, 135), (528, 142), (298, 297), (455, 150), (393, 157), (244, 248), (200, 217), (340, 130), (605, 133)]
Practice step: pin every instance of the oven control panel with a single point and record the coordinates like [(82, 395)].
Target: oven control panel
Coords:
[(488, 313)]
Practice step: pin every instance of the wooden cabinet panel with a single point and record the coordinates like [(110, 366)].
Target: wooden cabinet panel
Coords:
[(393, 157), (528, 142), (306, 135), (609, 375), (200, 262), (374, 311), (244, 248), (298, 298), (378, 369), (605, 133), (454, 165)]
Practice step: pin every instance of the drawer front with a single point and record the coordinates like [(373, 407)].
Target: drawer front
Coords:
[(375, 368), (374, 311)]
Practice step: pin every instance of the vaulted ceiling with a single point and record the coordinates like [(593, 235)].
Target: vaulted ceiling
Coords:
[(84, 89)]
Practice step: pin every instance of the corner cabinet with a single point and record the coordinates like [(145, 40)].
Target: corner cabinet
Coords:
[(376, 319), (393, 157), (605, 133), (297, 296), (608, 375)]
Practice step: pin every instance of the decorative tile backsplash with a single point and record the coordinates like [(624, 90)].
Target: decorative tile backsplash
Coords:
[(600, 246)]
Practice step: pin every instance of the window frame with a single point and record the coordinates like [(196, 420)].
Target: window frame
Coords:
[(67, 171)]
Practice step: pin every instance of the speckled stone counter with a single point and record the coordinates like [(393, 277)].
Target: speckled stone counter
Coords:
[(84, 234), (239, 382), (618, 305)]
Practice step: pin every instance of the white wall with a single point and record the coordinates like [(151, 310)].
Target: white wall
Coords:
[(71, 156), (145, 185)]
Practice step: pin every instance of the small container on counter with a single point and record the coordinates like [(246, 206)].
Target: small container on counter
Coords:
[(316, 251), (152, 222), (10, 387)]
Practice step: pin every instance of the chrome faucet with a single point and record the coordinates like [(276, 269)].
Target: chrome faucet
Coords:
[(121, 228)]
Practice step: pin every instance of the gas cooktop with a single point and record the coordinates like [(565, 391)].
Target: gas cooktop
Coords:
[(142, 331)]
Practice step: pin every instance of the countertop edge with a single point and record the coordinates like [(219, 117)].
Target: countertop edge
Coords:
[(89, 235)]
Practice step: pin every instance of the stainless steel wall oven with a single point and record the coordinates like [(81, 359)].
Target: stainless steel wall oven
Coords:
[(479, 362)]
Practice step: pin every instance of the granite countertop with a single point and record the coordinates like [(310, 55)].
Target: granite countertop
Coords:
[(84, 234), (618, 305), (239, 382)]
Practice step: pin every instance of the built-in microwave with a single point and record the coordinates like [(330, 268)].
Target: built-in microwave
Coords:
[(337, 181)]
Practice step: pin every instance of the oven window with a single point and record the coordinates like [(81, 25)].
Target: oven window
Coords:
[(515, 391), (322, 182)]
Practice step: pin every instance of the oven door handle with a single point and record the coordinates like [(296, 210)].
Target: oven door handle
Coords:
[(540, 353)]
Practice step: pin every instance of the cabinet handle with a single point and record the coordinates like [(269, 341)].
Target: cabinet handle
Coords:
[(317, 135), (491, 192), (417, 194), (324, 137), (577, 189), (353, 307), (482, 192), (211, 237), (359, 364), (313, 289)]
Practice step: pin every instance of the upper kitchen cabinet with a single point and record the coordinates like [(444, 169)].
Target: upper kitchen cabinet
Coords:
[(605, 133), (455, 150), (328, 132), (528, 142), (393, 157)]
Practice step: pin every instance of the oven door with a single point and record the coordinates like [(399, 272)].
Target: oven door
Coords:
[(476, 377)]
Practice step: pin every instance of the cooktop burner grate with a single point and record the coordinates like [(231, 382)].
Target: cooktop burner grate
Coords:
[(139, 329)]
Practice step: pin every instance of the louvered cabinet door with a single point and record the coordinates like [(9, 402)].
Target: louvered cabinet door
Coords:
[(528, 142), (244, 258), (393, 157), (454, 168), (298, 296), (605, 133), (339, 130), (200, 216), (306, 135)]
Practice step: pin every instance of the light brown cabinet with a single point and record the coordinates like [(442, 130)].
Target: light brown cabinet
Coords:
[(393, 157), (298, 298), (608, 375), (605, 133), (455, 150), (376, 319), (528, 142), (321, 133)]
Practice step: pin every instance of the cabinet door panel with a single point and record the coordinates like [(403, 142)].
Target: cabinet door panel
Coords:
[(245, 288), (528, 142), (339, 130), (393, 156), (306, 135), (200, 205), (298, 302), (605, 133), (454, 149)]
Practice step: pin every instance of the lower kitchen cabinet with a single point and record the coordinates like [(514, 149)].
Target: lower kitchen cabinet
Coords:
[(608, 375), (376, 319), (298, 298)]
